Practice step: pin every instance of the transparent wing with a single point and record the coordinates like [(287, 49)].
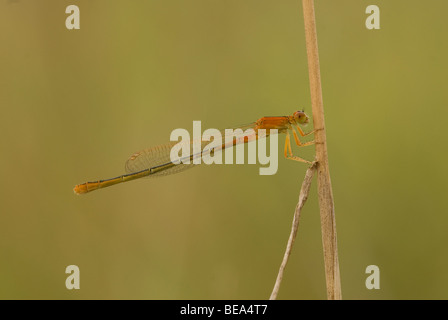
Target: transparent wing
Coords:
[(153, 157), (160, 155)]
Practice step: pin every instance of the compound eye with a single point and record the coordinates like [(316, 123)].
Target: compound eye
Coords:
[(300, 117)]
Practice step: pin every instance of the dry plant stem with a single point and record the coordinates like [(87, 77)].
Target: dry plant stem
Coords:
[(325, 193), (306, 184)]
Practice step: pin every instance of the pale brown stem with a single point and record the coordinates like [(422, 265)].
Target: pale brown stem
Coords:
[(304, 191), (325, 193)]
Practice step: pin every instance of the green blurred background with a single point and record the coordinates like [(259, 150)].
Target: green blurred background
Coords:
[(76, 103)]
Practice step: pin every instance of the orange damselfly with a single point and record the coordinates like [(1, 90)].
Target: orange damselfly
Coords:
[(156, 161)]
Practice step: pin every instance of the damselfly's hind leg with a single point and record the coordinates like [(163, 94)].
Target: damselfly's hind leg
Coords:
[(295, 158), (288, 145), (288, 148)]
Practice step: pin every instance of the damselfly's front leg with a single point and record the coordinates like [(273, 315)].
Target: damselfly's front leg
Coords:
[(303, 134), (288, 148), (296, 138)]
